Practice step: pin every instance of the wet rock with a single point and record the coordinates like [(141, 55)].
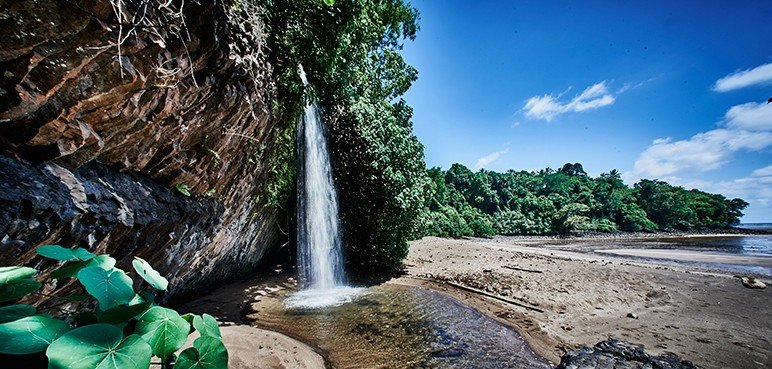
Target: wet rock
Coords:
[(615, 354)]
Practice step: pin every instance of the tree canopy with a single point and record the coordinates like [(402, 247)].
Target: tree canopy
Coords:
[(465, 203)]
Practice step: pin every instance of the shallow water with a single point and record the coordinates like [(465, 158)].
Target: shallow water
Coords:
[(395, 326)]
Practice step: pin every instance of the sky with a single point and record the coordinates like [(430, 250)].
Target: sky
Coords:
[(669, 90)]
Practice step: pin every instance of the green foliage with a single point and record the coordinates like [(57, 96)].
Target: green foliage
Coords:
[(564, 201), (57, 252), (111, 287), (149, 274), (71, 270), (350, 52), (207, 325), (207, 353), (15, 312), (163, 329), (123, 331), (100, 346), (30, 334), (16, 282), (183, 189)]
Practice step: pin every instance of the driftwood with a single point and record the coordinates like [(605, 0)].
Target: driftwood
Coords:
[(497, 297), (522, 269)]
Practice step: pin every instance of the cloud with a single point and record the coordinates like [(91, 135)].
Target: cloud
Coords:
[(548, 106), (490, 158), (763, 172), (750, 116), (744, 78), (748, 127)]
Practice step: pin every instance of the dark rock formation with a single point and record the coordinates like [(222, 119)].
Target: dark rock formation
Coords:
[(614, 354), (104, 111)]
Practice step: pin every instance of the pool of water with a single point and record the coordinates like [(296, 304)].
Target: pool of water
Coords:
[(395, 326)]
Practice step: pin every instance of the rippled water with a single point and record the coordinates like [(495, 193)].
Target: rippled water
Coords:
[(395, 326)]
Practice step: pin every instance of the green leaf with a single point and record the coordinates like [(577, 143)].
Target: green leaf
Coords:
[(12, 273), (71, 270), (31, 334), (83, 254), (206, 353), (163, 329), (98, 346), (183, 188), (57, 252), (149, 274), (329, 2), (15, 312), (207, 326), (17, 289), (124, 313), (188, 318), (110, 287)]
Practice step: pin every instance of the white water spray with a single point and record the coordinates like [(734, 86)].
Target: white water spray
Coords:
[(319, 245)]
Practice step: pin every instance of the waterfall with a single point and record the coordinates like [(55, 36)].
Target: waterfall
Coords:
[(320, 258), (319, 244)]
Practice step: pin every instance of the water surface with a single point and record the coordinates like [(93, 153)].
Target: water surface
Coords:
[(395, 326)]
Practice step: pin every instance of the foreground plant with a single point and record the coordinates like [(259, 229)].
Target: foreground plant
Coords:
[(124, 329)]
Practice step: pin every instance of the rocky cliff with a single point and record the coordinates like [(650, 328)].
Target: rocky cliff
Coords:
[(112, 112)]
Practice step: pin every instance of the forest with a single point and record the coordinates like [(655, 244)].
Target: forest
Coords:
[(485, 203), (352, 55)]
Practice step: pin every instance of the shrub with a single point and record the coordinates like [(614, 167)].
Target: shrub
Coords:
[(123, 329)]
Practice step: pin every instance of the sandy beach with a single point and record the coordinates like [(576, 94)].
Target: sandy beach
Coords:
[(707, 317), (557, 300)]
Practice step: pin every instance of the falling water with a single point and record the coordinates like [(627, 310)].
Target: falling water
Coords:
[(320, 255)]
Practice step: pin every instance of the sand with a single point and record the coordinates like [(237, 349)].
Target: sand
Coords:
[(704, 316), (562, 300)]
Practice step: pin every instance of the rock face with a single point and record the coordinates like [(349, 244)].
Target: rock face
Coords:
[(105, 111), (614, 354)]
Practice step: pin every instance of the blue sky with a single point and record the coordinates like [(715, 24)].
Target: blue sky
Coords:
[(674, 90)]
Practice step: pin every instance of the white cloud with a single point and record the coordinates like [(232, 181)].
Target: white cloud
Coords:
[(744, 78), (763, 172), (490, 158), (750, 116), (748, 127), (548, 106)]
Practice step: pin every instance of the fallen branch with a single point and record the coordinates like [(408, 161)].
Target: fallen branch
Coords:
[(522, 269), (497, 297)]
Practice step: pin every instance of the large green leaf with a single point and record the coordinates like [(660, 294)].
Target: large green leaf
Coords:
[(31, 334), (57, 252), (15, 312), (124, 313), (207, 326), (98, 346), (206, 353), (163, 329), (71, 270), (110, 287), (12, 273), (149, 274), (17, 289)]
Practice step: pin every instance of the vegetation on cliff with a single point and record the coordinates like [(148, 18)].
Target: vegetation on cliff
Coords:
[(350, 51), (465, 203)]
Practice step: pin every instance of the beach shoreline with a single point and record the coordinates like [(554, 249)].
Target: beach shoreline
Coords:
[(560, 300), (701, 314)]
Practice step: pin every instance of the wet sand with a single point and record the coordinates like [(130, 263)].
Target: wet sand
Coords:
[(700, 314), (694, 256), (562, 299)]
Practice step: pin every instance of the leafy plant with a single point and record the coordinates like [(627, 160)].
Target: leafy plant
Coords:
[(116, 326), (183, 189)]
